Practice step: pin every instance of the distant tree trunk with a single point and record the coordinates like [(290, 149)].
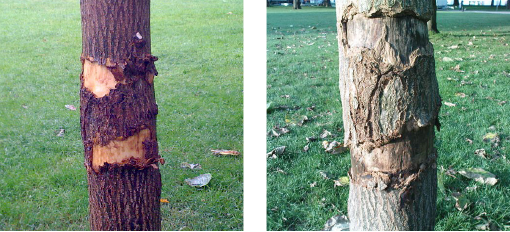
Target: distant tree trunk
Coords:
[(268, 3), (432, 23), (390, 101), (118, 115), (492, 3), (296, 4), (327, 3), (456, 2), (508, 4)]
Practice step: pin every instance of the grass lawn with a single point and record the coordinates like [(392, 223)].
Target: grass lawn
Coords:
[(302, 79), (199, 92)]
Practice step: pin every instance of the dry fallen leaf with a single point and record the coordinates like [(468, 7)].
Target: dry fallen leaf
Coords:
[(449, 104), (337, 223), (225, 152), (457, 69), (313, 184), (191, 166), (342, 181), (479, 175), (460, 94), (163, 200), (61, 132), (71, 107), (200, 180), (461, 201), (275, 152), (334, 147), (277, 131), (306, 148), (325, 134), (447, 59), (481, 153)]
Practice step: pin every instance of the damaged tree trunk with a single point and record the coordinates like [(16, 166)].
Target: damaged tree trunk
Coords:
[(390, 100), (118, 115)]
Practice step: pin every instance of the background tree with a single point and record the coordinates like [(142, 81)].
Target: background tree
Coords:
[(326, 3), (296, 4), (390, 102), (432, 23), (456, 2), (492, 3), (118, 115)]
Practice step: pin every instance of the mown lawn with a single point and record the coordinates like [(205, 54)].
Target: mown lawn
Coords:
[(302, 79), (43, 182)]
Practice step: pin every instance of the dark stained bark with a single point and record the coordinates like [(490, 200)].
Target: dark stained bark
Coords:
[(118, 115), (296, 4), (390, 101), (432, 23)]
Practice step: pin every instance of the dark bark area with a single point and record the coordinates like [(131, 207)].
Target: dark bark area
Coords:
[(118, 119), (432, 23), (390, 101), (127, 199)]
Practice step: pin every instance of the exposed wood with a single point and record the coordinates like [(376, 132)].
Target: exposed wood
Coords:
[(390, 102)]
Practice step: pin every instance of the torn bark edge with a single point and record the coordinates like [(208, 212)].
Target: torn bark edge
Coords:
[(130, 70), (132, 162), (395, 11), (391, 181)]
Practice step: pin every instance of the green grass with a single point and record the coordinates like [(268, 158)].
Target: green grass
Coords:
[(303, 64), (486, 8), (43, 182)]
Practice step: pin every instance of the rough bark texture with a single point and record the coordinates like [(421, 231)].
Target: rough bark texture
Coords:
[(391, 102), (432, 23), (296, 4), (118, 115)]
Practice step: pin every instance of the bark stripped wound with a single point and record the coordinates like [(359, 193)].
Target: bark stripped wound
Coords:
[(390, 105)]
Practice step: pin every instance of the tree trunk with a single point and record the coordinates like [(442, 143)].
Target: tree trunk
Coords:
[(390, 101), (492, 3), (432, 23), (296, 4), (327, 3), (456, 2), (118, 115)]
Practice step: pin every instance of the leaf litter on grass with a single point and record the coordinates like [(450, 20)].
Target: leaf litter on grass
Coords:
[(225, 152), (479, 175)]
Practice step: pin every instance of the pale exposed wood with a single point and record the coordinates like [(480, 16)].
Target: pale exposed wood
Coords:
[(98, 79), (120, 150)]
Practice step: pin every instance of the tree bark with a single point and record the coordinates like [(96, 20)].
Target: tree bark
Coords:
[(118, 115), (492, 3), (432, 23), (456, 2), (296, 4), (327, 3), (390, 101)]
